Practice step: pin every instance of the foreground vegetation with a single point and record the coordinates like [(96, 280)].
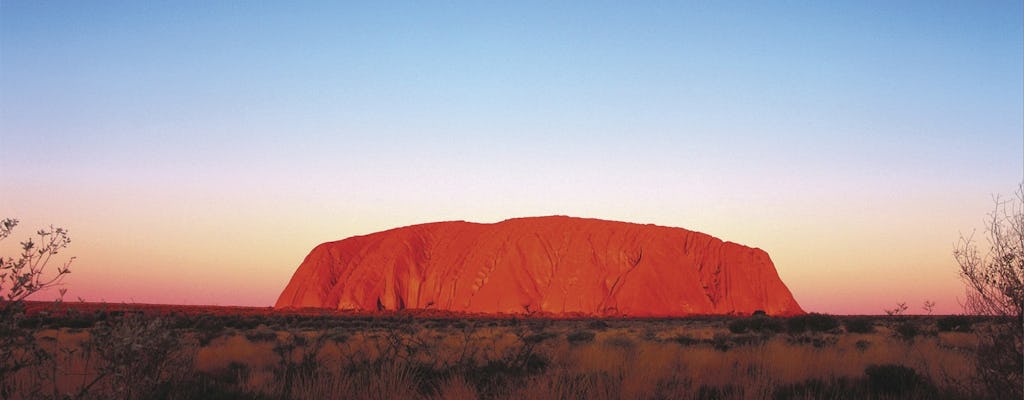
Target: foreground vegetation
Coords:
[(122, 353)]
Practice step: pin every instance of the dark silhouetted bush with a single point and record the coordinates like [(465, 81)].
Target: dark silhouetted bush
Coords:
[(535, 338), (721, 342), (816, 341), (717, 392), (738, 326), (813, 322), (748, 340), (758, 324), (580, 337), (261, 335), (597, 325), (907, 331), (686, 340), (954, 323), (840, 388), (895, 379), (859, 325), (620, 341)]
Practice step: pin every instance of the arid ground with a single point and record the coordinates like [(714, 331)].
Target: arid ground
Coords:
[(137, 351)]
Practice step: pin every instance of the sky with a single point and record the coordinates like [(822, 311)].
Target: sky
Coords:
[(197, 151)]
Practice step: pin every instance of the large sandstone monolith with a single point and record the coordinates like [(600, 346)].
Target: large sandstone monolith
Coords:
[(554, 265)]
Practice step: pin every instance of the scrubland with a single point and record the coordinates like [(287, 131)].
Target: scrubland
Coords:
[(124, 354)]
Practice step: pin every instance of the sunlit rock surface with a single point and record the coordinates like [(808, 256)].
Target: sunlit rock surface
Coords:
[(548, 265)]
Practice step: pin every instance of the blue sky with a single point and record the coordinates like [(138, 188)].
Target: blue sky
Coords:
[(766, 123)]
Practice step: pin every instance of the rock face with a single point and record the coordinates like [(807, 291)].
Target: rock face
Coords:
[(556, 265)]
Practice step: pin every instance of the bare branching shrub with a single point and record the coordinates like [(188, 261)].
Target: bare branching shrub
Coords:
[(139, 357), (21, 277), (898, 310), (995, 286), (928, 307)]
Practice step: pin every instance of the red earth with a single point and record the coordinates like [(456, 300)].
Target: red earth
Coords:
[(554, 266)]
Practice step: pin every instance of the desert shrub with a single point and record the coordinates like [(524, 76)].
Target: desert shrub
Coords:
[(907, 330), (747, 340), (539, 337), (895, 379), (759, 324), (814, 322), (738, 326), (816, 341), (238, 322), (203, 388), (994, 277), (954, 323), (766, 325), (456, 387), (140, 357), (21, 277), (686, 340), (76, 321), (288, 370), (859, 325), (434, 324), (721, 342), (71, 319), (234, 373), (814, 388), (580, 337), (261, 334), (597, 325), (620, 341), (496, 374), (205, 337), (338, 337), (718, 392), (862, 345)]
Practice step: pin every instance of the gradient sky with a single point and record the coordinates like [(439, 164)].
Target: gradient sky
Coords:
[(198, 150)]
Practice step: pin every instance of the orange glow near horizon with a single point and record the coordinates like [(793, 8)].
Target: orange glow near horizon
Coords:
[(832, 263)]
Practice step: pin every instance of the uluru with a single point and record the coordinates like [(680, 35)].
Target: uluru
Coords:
[(552, 265)]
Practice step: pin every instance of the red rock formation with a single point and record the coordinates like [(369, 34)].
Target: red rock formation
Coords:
[(552, 265)]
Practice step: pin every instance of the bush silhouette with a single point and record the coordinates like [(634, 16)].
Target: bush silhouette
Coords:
[(859, 325), (954, 323), (580, 337), (907, 331), (814, 322), (760, 324), (895, 379)]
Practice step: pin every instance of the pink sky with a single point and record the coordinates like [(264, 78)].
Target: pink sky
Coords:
[(854, 257)]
